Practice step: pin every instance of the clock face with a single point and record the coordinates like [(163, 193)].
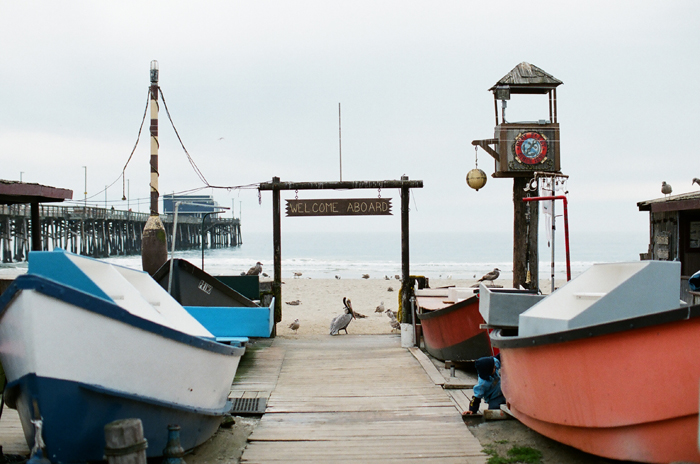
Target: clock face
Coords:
[(530, 147)]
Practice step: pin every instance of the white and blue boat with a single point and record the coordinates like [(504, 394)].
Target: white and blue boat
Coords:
[(84, 343)]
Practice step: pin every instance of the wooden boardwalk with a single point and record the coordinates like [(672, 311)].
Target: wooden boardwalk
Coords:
[(354, 398)]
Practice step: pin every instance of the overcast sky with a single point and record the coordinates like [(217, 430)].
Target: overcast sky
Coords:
[(254, 87)]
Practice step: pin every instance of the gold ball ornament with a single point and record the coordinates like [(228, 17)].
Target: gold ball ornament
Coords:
[(476, 178)]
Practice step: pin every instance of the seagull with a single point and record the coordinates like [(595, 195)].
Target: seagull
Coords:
[(395, 325), (337, 277), (365, 276), (493, 275), (255, 270), (390, 289), (397, 277), (666, 188), (391, 314), (293, 303), (696, 181), (297, 274), (342, 321), (380, 308), (386, 277), (294, 325)]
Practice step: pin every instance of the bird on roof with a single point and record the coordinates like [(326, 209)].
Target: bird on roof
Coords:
[(696, 181), (255, 270), (342, 321), (294, 325), (666, 188), (493, 275), (380, 308)]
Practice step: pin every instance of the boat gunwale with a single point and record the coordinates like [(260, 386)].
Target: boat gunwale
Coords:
[(433, 313), (500, 341), (108, 309)]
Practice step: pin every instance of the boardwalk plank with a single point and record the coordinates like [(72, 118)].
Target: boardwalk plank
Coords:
[(358, 398)]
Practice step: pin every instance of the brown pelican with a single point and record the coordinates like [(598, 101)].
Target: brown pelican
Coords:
[(493, 275), (294, 325), (341, 322)]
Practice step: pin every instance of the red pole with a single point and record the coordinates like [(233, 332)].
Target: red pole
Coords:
[(566, 226)]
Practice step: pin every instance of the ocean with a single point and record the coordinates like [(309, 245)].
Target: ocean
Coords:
[(446, 255)]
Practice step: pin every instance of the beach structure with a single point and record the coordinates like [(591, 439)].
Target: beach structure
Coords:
[(528, 152), (674, 235), (589, 365), (86, 343), (341, 207), (20, 193)]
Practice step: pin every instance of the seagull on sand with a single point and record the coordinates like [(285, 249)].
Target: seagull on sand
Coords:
[(297, 274), (294, 325), (365, 276), (380, 308), (255, 270), (695, 181), (493, 275), (666, 188), (342, 321)]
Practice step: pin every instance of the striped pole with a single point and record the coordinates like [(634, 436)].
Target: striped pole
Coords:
[(154, 251), (154, 137)]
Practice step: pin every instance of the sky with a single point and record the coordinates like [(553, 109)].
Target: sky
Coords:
[(254, 87)]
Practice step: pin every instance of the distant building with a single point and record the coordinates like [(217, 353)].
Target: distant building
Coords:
[(674, 232), (192, 205)]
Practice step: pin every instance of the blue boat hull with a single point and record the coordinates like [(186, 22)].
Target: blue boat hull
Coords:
[(75, 414)]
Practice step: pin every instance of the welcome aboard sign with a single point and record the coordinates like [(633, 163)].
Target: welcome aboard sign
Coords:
[(340, 207)]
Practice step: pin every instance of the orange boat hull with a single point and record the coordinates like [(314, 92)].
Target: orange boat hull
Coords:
[(631, 394)]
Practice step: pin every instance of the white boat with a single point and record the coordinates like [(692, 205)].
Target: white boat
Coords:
[(84, 343)]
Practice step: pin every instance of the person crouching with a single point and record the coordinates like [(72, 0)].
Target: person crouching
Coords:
[(488, 387)]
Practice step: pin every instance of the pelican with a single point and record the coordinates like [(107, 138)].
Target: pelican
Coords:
[(341, 322), (294, 325)]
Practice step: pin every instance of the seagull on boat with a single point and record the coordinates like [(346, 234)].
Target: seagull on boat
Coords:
[(666, 188), (380, 308), (294, 325), (493, 275), (342, 321), (255, 270)]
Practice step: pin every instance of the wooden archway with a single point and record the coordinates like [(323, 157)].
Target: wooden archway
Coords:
[(276, 186)]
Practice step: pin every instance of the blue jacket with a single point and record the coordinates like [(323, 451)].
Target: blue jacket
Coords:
[(491, 388)]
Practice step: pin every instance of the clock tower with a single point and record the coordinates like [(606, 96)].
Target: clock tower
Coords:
[(522, 148)]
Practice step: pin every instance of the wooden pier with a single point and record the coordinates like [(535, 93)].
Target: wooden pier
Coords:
[(356, 398), (100, 232)]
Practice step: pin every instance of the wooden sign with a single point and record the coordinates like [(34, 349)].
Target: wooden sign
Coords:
[(340, 207)]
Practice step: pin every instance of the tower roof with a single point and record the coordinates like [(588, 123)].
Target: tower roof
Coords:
[(528, 78)]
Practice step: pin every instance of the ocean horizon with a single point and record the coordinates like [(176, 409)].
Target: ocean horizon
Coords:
[(437, 255)]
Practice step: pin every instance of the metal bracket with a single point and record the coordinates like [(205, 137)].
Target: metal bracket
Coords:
[(485, 145)]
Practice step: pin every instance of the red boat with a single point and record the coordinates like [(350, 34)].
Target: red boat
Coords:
[(452, 332), (624, 388)]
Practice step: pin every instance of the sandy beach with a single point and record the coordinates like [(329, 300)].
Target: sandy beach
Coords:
[(320, 300)]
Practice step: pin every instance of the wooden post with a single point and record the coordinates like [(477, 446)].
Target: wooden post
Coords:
[(406, 315), (524, 239), (36, 227), (124, 442), (277, 244)]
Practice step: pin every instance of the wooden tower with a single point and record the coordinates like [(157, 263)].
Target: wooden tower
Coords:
[(524, 150)]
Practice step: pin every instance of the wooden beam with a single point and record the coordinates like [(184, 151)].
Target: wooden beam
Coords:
[(344, 185), (485, 145), (277, 244)]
